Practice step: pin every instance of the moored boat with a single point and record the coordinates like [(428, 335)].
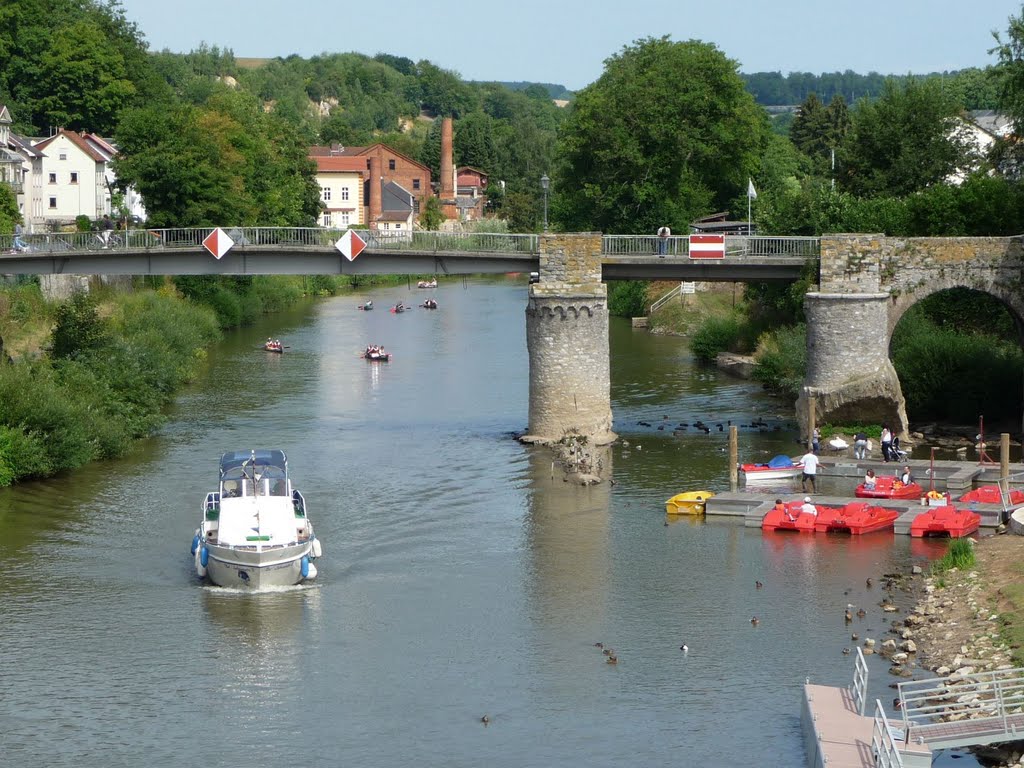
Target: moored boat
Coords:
[(427, 283), (254, 531), (778, 468), (688, 503), (856, 518), (889, 488), (991, 494), (789, 518), (945, 521)]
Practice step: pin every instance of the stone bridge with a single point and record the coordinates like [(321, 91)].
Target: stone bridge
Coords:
[(866, 284)]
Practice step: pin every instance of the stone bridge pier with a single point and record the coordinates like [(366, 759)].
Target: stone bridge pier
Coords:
[(866, 284), (567, 341)]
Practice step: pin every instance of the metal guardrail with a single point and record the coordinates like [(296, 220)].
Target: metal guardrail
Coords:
[(883, 745), (291, 237), (735, 245), (860, 681), (391, 240), (985, 706)]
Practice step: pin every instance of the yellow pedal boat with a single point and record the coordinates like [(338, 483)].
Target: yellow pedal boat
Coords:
[(689, 503)]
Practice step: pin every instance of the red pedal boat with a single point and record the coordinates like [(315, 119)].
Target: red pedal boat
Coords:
[(989, 494), (857, 517), (790, 518), (889, 488), (945, 521)]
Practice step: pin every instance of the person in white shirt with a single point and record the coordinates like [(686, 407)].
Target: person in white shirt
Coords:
[(810, 462), (664, 233), (808, 508)]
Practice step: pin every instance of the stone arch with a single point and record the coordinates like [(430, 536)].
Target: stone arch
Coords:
[(1013, 300)]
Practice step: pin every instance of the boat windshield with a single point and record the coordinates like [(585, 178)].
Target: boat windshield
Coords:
[(254, 473)]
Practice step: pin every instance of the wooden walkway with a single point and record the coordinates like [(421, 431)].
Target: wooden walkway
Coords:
[(836, 736)]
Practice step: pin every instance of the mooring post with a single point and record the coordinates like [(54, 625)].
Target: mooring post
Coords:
[(812, 402), (1004, 461), (734, 455)]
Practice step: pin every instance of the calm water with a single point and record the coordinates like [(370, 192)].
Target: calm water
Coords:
[(459, 578)]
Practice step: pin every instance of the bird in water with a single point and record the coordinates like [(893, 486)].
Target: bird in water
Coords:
[(848, 616), (846, 651), (612, 660), (758, 584), (485, 719), (599, 645), (868, 583), (755, 621), (684, 648), (854, 637), (861, 613)]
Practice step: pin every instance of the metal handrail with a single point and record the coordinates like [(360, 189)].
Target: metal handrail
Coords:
[(802, 248), (984, 698), (677, 291), (860, 681), (883, 745)]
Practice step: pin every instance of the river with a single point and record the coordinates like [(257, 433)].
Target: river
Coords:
[(460, 578)]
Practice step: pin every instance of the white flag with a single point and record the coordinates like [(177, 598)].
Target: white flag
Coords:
[(751, 192)]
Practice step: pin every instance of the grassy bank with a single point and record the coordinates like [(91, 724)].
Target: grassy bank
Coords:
[(90, 376)]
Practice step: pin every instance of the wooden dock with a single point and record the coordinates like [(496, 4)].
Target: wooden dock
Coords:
[(954, 477), (838, 736)]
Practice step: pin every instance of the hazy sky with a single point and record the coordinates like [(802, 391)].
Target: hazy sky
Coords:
[(567, 41)]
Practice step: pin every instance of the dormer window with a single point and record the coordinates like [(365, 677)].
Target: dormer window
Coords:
[(62, 156)]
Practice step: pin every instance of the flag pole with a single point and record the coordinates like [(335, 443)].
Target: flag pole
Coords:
[(748, 212)]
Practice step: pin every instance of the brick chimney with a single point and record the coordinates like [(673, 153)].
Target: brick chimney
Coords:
[(448, 170), (375, 204)]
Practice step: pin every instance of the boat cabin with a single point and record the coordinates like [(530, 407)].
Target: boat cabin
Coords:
[(262, 472)]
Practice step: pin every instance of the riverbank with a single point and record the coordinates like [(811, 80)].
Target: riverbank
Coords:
[(973, 621)]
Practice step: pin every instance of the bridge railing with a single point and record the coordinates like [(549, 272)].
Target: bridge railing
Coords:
[(295, 237), (986, 699), (735, 245)]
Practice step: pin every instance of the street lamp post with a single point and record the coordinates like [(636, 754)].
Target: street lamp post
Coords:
[(545, 182)]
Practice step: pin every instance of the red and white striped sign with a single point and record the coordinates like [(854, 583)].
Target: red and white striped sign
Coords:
[(218, 243), (707, 246)]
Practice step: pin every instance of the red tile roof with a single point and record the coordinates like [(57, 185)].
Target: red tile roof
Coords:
[(339, 163)]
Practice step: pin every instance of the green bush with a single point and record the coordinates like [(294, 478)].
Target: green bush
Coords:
[(716, 334), (627, 298), (782, 360)]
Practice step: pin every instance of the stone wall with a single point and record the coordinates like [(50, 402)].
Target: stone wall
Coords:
[(567, 340), (867, 282)]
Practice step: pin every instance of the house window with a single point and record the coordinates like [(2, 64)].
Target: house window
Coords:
[(327, 219), (74, 177), (386, 225), (398, 225), (53, 178), (344, 218), (53, 202), (415, 183), (325, 193), (391, 165), (344, 193), (63, 156), (367, 163)]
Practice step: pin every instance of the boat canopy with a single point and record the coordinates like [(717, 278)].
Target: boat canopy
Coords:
[(780, 462), (265, 466)]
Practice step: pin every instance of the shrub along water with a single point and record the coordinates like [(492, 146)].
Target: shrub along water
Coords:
[(109, 374)]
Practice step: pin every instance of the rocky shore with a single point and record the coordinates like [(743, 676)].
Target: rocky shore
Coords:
[(961, 627)]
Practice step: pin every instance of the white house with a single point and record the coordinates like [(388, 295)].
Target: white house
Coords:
[(74, 178), (341, 190), (20, 167)]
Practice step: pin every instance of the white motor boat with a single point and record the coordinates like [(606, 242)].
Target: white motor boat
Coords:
[(254, 531), (779, 468)]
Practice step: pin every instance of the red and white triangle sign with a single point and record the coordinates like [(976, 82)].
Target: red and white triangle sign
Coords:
[(218, 242), (350, 244)]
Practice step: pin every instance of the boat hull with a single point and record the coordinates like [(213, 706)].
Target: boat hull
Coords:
[(855, 518), (779, 520), (945, 521), (249, 569), (275, 350), (754, 473), (689, 503), (990, 494), (887, 488)]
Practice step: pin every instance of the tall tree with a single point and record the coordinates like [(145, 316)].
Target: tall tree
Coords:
[(665, 134), (910, 138)]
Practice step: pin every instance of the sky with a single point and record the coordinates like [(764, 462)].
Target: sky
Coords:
[(567, 41)]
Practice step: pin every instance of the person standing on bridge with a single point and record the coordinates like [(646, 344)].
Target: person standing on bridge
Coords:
[(663, 235)]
